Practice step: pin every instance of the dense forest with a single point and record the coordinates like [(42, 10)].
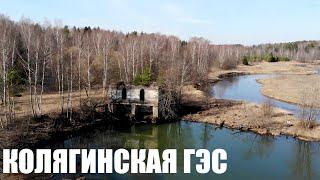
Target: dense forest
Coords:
[(41, 58)]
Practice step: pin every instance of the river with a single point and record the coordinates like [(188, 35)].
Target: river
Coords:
[(250, 156), (248, 89)]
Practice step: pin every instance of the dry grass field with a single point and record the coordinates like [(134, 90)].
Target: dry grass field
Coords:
[(290, 67), (292, 88), (51, 102)]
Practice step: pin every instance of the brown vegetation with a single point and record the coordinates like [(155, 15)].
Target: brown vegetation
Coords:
[(249, 117), (309, 107), (283, 68), (267, 109), (262, 119), (290, 88), (71, 63)]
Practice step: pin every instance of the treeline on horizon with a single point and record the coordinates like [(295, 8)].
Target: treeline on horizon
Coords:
[(55, 58)]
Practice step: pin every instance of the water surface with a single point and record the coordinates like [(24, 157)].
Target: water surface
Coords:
[(248, 89), (250, 156)]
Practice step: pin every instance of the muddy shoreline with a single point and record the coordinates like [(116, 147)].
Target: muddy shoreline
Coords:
[(276, 130)]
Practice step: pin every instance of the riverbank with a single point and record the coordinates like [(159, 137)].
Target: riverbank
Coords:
[(281, 68), (201, 108), (198, 107), (247, 116), (26, 132), (295, 89), (293, 79), (194, 100)]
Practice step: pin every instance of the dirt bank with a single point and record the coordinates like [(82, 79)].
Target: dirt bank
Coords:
[(250, 117), (192, 94), (292, 88)]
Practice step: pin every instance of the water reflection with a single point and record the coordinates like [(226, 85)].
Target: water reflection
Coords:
[(240, 88), (260, 146), (249, 155), (220, 90), (302, 164), (248, 89), (207, 136)]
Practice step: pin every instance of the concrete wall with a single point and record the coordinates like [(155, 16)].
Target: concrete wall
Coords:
[(151, 94), (151, 98)]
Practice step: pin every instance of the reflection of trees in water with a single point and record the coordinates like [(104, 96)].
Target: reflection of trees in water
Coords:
[(261, 146), (206, 135), (177, 136), (97, 139), (180, 136), (171, 135), (258, 145), (221, 87), (302, 163)]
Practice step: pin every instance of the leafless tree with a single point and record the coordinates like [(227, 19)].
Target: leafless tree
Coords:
[(309, 106), (68, 60)]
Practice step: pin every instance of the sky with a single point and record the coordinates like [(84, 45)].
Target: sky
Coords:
[(220, 21)]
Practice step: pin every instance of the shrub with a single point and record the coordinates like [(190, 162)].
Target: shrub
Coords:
[(228, 63), (271, 58), (267, 109), (309, 111), (16, 78), (169, 104), (260, 116), (283, 58), (245, 60), (143, 78), (16, 82), (308, 124), (268, 58)]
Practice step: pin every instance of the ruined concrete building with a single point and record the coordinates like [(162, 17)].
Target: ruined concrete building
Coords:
[(140, 102)]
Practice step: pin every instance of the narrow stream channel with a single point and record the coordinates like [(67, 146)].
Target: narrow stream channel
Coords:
[(248, 89)]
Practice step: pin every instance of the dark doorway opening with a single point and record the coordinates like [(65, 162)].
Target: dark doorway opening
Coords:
[(124, 93), (142, 95)]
